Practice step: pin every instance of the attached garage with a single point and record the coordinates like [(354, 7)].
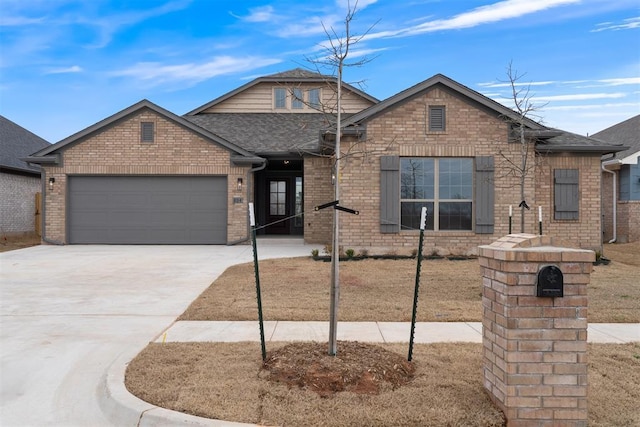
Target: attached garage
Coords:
[(147, 210)]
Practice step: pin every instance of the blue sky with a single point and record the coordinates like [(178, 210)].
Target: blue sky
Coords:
[(65, 65)]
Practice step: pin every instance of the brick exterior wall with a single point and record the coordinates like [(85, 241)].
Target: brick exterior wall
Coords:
[(317, 190), (470, 132), (628, 221), (117, 150), (18, 203), (535, 349)]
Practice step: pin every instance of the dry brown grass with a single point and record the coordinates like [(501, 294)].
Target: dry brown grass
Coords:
[(382, 290), (224, 381), (13, 242)]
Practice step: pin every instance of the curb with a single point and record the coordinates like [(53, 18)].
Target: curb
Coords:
[(124, 409)]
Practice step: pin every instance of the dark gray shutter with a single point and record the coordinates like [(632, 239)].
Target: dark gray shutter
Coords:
[(389, 194), (436, 118), (484, 197), (146, 132), (566, 197)]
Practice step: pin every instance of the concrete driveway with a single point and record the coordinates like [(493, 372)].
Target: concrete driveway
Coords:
[(68, 312)]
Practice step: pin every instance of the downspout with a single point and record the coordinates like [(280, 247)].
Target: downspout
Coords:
[(250, 173), (43, 226), (615, 204)]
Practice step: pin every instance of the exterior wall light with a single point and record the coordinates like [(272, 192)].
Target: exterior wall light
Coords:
[(239, 184), (51, 181)]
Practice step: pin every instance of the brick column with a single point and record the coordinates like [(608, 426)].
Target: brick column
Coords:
[(535, 348)]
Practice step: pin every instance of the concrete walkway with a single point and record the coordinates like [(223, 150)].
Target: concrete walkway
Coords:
[(373, 332)]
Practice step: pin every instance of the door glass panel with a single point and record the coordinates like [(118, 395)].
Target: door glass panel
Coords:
[(298, 208), (278, 198)]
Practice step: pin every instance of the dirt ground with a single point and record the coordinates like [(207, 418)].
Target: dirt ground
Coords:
[(10, 243), (227, 381), (382, 290)]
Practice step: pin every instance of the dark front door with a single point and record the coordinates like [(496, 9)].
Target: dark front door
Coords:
[(278, 209)]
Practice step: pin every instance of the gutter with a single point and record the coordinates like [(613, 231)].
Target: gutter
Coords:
[(250, 173), (615, 197)]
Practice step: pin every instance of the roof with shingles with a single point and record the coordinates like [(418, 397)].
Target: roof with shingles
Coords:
[(51, 151), (266, 133), (563, 142), (16, 143), (626, 133)]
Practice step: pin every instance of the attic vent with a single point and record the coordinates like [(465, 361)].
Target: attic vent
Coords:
[(436, 118), (146, 131)]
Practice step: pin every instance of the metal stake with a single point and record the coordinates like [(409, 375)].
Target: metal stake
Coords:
[(423, 219), (257, 275)]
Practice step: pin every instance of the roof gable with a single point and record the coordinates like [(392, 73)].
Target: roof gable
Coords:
[(49, 154), (16, 143), (452, 85), (297, 75)]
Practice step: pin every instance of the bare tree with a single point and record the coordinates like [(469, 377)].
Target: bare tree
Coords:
[(336, 51), (525, 110)]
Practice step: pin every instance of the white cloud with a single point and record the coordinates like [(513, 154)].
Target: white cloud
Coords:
[(157, 73), (500, 11), (580, 97), (260, 14), (508, 84), (627, 24), (72, 69)]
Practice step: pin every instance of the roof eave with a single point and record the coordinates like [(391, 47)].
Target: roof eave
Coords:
[(595, 149), (53, 159)]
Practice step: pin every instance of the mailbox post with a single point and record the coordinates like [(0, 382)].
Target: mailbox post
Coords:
[(535, 329)]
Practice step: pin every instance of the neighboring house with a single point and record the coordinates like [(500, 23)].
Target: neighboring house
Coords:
[(621, 183), (19, 181), (146, 175)]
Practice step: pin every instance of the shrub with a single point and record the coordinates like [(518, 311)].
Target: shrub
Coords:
[(350, 253)]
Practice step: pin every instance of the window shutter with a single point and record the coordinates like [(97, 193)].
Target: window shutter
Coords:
[(436, 119), (484, 197), (146, 132), (389, 194), (566, 197)]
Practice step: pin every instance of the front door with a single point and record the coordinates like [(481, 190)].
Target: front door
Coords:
[(277, 203)]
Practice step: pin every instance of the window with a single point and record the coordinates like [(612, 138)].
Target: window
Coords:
[(437, 119), (444, 186), (297, 102), (280, 98), (566, 195), (146, 132), (314, 98)]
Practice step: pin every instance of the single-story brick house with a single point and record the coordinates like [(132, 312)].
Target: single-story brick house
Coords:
[(19, 181), (621, 183), (148, 176)]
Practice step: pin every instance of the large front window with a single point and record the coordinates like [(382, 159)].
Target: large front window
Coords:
[(444, 186)]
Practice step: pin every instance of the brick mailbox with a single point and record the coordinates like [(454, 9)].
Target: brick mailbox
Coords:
[(535, 329)]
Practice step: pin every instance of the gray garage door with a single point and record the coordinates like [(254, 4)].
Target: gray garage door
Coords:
[(147, 209)]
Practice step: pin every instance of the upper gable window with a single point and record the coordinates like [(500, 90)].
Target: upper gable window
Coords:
[(314, 98), (147, 132), (280, 98), (437, 118), (297, 102)]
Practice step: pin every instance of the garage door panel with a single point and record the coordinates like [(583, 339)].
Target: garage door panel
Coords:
[(147, 210)]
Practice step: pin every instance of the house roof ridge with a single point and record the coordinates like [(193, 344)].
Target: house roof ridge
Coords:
[(144, 103)]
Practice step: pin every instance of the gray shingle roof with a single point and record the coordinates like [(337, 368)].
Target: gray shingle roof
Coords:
[(266, 133), (15, 143), (626, 133), (572, 142)]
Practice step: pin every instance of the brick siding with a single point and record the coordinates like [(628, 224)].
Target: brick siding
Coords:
[(535, 349), (117, 150), (17, 203), (470, 132)]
